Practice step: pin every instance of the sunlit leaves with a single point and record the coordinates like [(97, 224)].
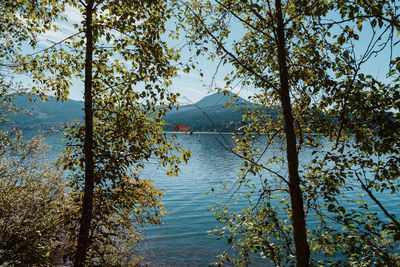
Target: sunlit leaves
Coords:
[(345, 119), (34, 197), (132, 69)]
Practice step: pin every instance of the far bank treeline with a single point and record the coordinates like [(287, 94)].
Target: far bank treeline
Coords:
[(213, 113), (210, 114)]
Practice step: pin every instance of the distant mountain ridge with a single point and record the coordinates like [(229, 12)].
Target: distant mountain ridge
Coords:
[(54, 113), (44, 115), (219, 100), (209, 114)]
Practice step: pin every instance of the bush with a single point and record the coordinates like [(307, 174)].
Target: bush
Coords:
[(32, 199)]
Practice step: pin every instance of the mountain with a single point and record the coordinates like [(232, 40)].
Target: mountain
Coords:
[(206, 115), (44, 115), (219, 100), (209, 114)]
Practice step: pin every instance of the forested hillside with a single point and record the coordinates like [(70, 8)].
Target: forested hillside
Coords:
[(35, 114), (207, 115)]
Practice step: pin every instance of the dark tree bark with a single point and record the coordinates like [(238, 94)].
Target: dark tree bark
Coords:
[(296, 197), (87, 201)]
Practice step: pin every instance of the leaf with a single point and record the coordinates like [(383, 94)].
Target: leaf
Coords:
[(359, 26), (331, 207), (396, 237), (341, 39)]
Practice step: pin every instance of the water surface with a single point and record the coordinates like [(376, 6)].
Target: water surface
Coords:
[(184, 238)]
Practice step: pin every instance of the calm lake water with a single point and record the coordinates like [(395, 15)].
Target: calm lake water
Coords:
[(184, 238)]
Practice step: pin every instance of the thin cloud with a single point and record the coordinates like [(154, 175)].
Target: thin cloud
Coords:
[(73, 15)]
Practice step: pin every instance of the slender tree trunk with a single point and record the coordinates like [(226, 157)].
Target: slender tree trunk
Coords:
[(296, 197), (87, 202)]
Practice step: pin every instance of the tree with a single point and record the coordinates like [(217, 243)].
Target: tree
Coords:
[(263, 49), (127, 69), (364, 130), (305, 69), (33, 192)]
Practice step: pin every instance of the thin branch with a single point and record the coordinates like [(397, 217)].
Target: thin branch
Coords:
[(393, 22), (211, 120), (256, 163), (244, 21), (300, 14), (55, 44), (234, 57), (377, 202), (83, 3)]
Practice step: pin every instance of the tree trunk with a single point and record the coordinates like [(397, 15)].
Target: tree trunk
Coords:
[(296, 197), (87, 202)]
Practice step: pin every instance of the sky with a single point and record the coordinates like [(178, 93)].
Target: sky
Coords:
[(191, 86)]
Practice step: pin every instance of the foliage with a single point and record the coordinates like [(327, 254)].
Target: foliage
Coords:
[(132, 68), (128, 97), (33, 192), (21, 23), (345, 122), (33, 197), (364, 134)]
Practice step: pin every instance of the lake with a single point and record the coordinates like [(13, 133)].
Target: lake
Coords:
[(184, 238)]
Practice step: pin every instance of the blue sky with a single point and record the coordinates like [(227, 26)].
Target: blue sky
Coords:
[(191, 85)]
